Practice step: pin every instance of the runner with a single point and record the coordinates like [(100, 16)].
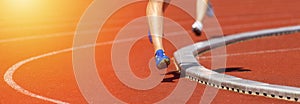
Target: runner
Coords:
[(155, 21)]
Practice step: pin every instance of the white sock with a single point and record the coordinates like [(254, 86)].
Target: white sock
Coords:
[(197, 25)]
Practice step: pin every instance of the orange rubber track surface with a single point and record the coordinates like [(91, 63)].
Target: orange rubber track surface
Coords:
[(272, 60)]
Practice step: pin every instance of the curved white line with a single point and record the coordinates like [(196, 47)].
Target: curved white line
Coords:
[(8, 76), (253, 53)]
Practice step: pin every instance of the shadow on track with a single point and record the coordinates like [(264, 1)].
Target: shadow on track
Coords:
[(233, 69), (176, 74)]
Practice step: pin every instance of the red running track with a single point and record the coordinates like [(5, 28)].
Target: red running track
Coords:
[(53, 76)]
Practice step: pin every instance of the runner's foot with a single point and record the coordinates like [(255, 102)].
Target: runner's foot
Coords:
[(162, 61), (197, 28)]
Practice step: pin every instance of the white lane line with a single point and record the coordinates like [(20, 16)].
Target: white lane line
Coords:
[(40, 36), (111, 29), (37, 27), (36, 37), (8, 76), (251, 53)]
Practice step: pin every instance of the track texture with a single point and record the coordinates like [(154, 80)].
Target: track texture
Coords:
[(25, 36)]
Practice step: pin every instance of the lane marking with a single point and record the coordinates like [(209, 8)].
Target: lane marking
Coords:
[(252, 53), (110, 29), (8, 76), (36, 37)]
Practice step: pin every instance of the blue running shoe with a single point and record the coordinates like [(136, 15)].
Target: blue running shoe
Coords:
[(162, 61)]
